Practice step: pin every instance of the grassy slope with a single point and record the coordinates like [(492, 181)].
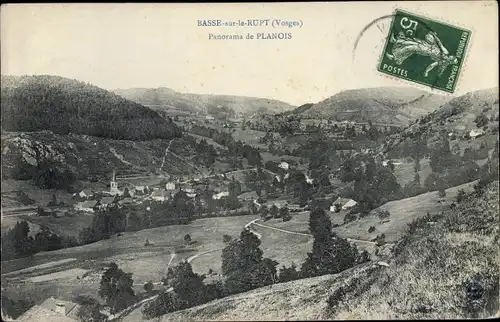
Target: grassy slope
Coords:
[(457, 116), (395, 105), (428, 274), (169, 98), (427, 279), (304, 299), (129, 252), (402, 212)]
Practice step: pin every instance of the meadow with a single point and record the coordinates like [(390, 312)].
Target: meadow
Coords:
[(50, 276)]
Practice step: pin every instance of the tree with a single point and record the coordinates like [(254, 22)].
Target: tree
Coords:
[(287, 274), (390, 165), (53, 202), (17, 241), (442, 192), (116, 288), (384, 214), (187, 239), (380, 240), (481, 120), (243, 265), (126, 193), (226, 239), (274, 211), (441, 157), (188, 285), (285, 214), (148, 287), (330, 254)]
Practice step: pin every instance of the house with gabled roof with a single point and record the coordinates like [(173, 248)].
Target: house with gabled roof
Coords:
[(53, 310), (87, 206), (105, 202), (344, 203)]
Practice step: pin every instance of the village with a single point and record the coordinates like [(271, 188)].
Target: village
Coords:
[(217, 187)]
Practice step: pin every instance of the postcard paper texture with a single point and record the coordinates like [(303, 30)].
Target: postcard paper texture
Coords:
[(249, 161)]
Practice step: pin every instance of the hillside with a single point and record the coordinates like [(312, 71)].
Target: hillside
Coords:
[(88, 157), (456, 119), (62, 105), (427, 276), (165, 98), (162, 98), (391, 105)]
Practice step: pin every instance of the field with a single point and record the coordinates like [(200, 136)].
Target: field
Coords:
[(40, 196), (128, 251), (404, 171), (250, 137), (63, 226), (427, 279), (402, 213)]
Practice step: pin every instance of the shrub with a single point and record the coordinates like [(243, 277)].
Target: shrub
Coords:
[(287, 274), (383, 214), (442, 193), (380, 240), (226, 239), (363, 257), (187, 238), (481, 120), (148, 287), (371, 229), (165, 303), (461, 196), (350, 217), (339, 295)]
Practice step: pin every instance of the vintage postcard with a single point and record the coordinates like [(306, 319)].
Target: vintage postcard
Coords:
[(250, 161)]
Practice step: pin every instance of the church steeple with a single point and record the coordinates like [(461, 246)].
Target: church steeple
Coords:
[(113, 186)]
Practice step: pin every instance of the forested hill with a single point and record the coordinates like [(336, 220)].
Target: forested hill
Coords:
[(62, 105)]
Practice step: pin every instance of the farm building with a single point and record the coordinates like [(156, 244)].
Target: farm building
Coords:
[(475, 133), (344, 203), (125, 201), (284, 165), (86, 194), (277, 203), (52, 310), (141, 189), (159, 195), (219, 195), (170, 186), (106, 202), (87, 206), (248, 196)]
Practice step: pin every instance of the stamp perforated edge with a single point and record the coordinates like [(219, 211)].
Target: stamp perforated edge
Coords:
[(418, 85)]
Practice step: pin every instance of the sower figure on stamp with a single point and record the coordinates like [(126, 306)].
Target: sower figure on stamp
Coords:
[(431, 46)]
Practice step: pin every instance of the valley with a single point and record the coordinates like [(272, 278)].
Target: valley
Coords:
[(369, 162)]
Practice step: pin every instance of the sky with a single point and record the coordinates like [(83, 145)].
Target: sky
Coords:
[(161, 45)]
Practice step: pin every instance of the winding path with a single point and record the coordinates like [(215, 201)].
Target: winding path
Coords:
[(249, 227), (113, 317), (254, 222)]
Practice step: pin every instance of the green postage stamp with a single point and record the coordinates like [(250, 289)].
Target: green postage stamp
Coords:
[(424, 51)]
